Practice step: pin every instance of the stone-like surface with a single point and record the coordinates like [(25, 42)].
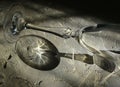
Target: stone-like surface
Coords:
[(69, 73)]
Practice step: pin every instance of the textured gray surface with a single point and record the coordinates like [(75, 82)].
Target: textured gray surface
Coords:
[(70, 73)]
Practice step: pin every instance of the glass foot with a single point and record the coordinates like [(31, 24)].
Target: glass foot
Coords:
[(12, 25)]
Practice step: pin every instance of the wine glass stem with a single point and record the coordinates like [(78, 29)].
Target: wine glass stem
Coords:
[(64, 32)]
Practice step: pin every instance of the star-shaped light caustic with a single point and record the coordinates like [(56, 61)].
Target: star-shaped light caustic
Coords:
[(36, 52)]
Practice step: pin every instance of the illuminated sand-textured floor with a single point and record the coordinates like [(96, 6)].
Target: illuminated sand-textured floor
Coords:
[(69, 73)]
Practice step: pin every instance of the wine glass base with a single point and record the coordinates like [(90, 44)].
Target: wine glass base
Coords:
[(11, 24)]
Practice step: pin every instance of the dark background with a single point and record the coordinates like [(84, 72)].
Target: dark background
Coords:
[(105, 10)]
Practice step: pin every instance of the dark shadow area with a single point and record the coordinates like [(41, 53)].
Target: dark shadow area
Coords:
[(107, 11), (104, 10)]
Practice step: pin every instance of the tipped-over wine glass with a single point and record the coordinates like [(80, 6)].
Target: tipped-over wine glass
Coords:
[(15, 22)]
